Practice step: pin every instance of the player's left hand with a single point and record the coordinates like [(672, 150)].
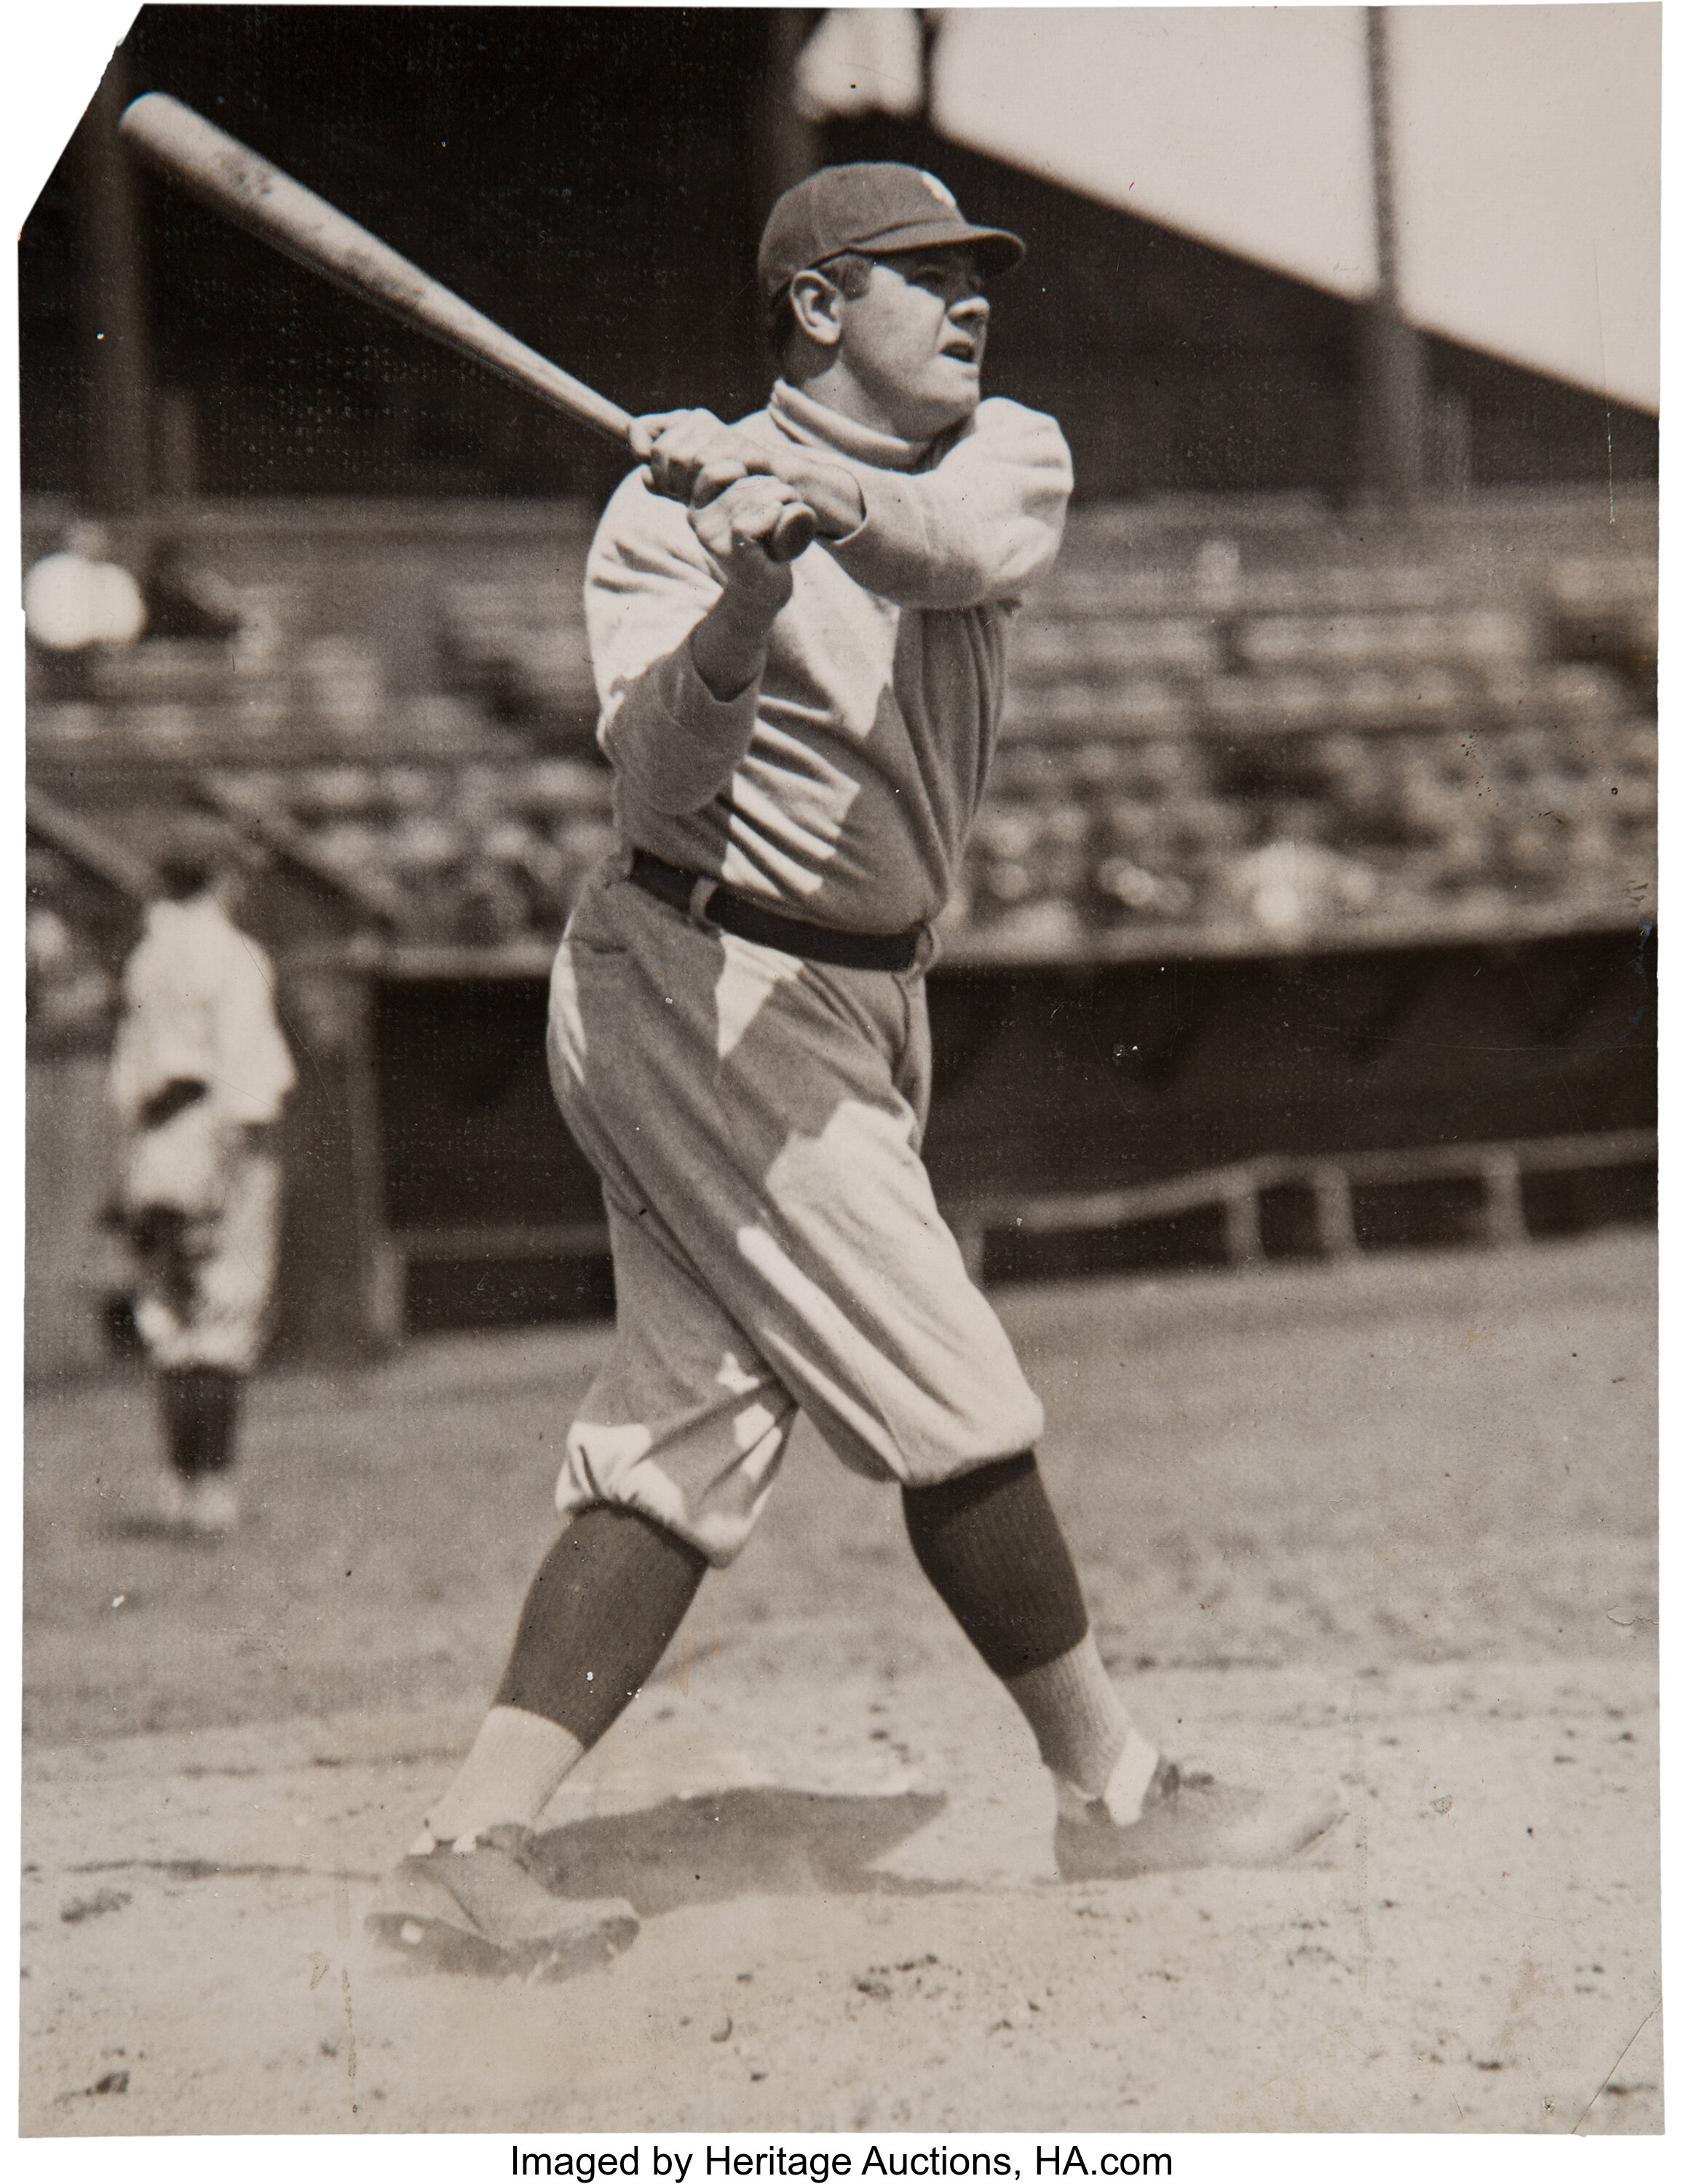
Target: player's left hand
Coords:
[(736, 528), (693, 457)]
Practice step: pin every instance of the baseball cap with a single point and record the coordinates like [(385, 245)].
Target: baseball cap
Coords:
[(877, 207)]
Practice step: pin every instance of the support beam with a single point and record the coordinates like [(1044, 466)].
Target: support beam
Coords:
[(1504, 1207), (1394, 390), (1242, 1223), (788, 142), (1335, 1214), (117, 346)]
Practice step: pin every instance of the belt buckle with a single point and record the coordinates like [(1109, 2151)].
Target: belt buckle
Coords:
[(700, 895)]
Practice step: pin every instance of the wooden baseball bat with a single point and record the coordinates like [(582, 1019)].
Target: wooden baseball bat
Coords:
[(235, 182)]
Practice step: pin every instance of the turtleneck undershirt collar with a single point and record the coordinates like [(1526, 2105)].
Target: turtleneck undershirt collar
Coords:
[(803, 418)]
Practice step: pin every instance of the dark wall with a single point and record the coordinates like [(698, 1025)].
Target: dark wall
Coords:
[(594, 179), (1075, 1082), (1091, 1080), (332, 1158), (586, 176), (470, 1127)]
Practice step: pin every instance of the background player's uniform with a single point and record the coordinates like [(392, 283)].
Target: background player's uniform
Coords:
[(756, 1116), (200, 1061)]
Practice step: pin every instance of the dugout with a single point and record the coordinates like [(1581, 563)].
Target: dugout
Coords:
[(1067, 1092)]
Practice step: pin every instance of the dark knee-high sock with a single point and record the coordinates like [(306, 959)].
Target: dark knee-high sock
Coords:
[(992, 1547), (200, 1404), (600, 1613), (990, 1544), (178, 1414), (217, 1399), (604, 1603)]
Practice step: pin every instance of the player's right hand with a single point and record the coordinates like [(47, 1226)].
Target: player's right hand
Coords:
[(693, 457), (735, 527)]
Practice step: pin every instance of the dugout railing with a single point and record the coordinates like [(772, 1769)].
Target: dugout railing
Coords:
[(1333, 1218), (1330, 1188)]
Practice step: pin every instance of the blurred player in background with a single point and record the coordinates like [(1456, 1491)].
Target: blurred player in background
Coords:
[(739, 1040), (199, 1073)]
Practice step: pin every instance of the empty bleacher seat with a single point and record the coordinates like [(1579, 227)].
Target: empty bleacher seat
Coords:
[(1227, 722)]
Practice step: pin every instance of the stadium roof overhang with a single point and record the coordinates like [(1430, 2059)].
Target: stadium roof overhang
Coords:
[(1524, 145)]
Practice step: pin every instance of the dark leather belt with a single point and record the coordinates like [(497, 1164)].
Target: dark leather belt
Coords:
[(705, 900)]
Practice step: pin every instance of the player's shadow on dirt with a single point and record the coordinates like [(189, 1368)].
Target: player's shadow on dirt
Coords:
[(737, 1843)]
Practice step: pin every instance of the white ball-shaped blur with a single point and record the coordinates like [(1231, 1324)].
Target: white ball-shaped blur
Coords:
[(69, 603)]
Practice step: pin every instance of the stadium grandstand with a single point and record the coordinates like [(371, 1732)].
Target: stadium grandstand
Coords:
[(1312, 903)]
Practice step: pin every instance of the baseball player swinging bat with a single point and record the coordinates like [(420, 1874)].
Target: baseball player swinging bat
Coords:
[(235, 182)]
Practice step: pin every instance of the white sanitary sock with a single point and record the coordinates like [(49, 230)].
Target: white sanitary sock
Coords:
[(1077, 1714), (1123, 1796), (517, 1763)]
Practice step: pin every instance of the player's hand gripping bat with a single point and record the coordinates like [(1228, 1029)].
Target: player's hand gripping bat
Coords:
[(248, 190)]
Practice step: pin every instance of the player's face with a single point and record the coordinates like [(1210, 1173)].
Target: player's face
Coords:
[(913, 341)]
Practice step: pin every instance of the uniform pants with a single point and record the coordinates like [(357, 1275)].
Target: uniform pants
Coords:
[(755, 1120), (206, 1279)]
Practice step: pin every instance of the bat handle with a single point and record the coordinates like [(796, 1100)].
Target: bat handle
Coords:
[(797, 528)]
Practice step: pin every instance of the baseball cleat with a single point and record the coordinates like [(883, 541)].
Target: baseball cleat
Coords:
[(206, 1508), (172, 1500), (489, 1910), (1188, 1820)]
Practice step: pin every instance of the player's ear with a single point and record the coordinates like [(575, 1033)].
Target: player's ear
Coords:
[(815, 302)]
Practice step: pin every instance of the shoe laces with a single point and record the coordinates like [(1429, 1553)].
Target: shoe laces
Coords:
[(517, 1842), (1164, 1788), (1170, 1779)]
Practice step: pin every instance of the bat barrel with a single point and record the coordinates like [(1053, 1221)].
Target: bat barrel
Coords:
[(235, 182)]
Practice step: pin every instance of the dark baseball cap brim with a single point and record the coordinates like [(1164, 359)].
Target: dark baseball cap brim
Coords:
[(996, 249)]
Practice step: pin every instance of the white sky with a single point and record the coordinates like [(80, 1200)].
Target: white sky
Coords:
[(1527, 146)]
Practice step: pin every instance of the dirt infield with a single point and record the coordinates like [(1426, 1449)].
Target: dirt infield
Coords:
[(1392, 1526)]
